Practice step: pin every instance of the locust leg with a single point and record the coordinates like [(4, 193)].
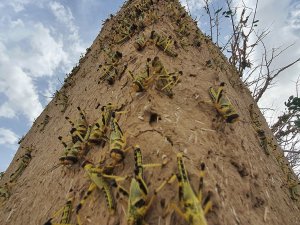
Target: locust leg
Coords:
[(90, 190), (178, 211), (170, 180), (201, 182), (207, 204), (213, 94)]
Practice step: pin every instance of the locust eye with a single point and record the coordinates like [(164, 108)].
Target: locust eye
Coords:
[(85, 162), (202, 166)]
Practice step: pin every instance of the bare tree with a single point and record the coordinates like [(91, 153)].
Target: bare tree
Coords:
[(259, 75), (243, 41), (287, 130)]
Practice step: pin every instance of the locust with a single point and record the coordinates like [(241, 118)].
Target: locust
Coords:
[(223, 104), (98, 131), (74, 151), (156, 73), (25, 160), (4, 192), (112, 69), (99, 180), (79, 128), (117, 142), (1, 175), (165, 81), (142, 81), (80, 132), (125, 32), (140, 42), (66, 211), (166, 44), (194, 208), (264, 142), (139, 201)]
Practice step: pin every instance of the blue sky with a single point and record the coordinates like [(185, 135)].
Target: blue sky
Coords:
[(41, 40)]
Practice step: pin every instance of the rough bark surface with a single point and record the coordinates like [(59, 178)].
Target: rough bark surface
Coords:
[(247, 185)]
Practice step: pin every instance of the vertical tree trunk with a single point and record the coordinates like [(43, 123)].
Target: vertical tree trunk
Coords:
[(173, 114)]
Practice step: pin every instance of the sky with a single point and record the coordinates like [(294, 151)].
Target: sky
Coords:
[(41, 40)]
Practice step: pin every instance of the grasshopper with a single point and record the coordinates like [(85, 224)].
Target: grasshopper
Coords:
[(264, 142), (61, 98), (139, 201), (68, 157), (140, 42), (163, 43), (4, 192), (143, 80), (1, 175), (99, 180), (111, 70), (165, 81), (191, 203), (117, 141), (125, 32), (223, 105), (99, 130), (74, 151), (25, 160), (79, 128), (66, 211), (294, 188), (155, 71)]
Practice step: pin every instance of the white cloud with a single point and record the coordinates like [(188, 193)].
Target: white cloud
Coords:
[(20, 5), (7, 111), (294, 16), (33, 52), (33, 48), (7, 137), (20, 92), (193, 5), (64, 16)]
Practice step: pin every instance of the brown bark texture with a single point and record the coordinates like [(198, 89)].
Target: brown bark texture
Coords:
[(248, 184)]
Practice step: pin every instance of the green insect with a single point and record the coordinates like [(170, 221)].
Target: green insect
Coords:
[(66, 211), (112, 69), (1, 175), (223, 104), (139, 201), (142, 81), (165, 81), (79, 128), (125, 31), (98, 131), (194, 208), (4, 192), (117, 142), (99, 181), (25, 160), (73, 152), (140, 42), (166, 44)]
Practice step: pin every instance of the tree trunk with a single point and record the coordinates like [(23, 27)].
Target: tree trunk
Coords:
[(248, 184)]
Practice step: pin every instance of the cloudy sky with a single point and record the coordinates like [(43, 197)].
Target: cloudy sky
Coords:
[(41, 40)]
